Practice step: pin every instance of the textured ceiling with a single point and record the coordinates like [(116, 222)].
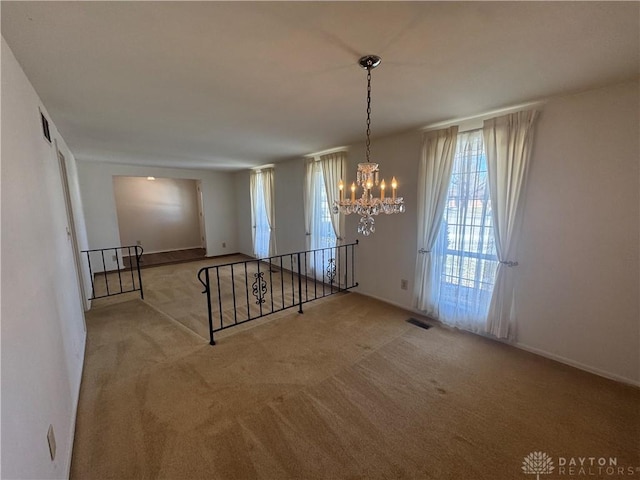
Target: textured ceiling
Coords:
[(229, 85)]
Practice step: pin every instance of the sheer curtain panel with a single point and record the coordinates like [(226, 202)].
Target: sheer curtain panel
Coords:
[(268, 189), (260, 229), (464, 253), (434, 174), (333, 170), (308, 195), (508, 141)]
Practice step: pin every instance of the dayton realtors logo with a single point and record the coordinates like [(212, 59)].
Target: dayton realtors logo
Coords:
[(537, 463), (540, 463)]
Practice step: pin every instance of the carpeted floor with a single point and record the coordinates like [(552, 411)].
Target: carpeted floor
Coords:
[(348, 390)]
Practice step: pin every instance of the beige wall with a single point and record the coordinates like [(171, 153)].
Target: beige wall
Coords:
[(579, 285), (162, 214), (43, 335), (96, 185), (579, 280)]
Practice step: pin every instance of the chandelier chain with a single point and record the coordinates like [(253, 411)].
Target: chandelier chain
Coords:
[(368, 112), (369, 205)]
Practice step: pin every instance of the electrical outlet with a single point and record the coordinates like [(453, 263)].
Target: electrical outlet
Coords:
[(114, 257), (404, 284), (224, 244), (51, 439), (138, 242)]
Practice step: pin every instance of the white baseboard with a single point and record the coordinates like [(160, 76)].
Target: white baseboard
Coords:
[(521, 346), (573, 363), (395, 304), (172, 250)]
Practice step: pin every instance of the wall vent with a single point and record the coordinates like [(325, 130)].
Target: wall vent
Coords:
[(45, 127)]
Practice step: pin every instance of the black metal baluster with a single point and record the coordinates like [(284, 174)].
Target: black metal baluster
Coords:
[(306, 278), (104, 270), (353, 264), (133, 282), (282, 281), (138, 257), (293, 290), (233, 294), (323, 272), (246, 284), (339, 264), (271, 282), (299, 285), (208, 290), (219, 297), (93, 288), (315, 276), (118, 265)]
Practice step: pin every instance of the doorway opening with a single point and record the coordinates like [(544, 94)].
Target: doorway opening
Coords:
[(163, 215)]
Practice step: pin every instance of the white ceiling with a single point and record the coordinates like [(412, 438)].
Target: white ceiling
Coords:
[(229, 85)]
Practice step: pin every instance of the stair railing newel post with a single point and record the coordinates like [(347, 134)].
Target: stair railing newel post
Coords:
[(207, 289), (139, 251)]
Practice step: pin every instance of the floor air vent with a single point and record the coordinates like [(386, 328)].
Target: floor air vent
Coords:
[(418, 323)]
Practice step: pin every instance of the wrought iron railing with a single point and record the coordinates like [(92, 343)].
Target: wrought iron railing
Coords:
[(275, 284), (118, 272)]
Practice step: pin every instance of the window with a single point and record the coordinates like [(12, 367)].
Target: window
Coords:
[(261, 229), (465, 250), (322, 234)]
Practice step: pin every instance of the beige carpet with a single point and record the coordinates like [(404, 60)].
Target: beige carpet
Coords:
[(176, 291), (348, 390)]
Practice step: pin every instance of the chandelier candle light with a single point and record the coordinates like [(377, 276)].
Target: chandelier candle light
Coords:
[(368, 204)]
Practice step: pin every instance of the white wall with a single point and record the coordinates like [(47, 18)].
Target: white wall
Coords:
[(43, 334), (290, 231), (289, 206), (578, 296), (579, 266), (162, 213), (579, 273), (388, 256), (96, 185)]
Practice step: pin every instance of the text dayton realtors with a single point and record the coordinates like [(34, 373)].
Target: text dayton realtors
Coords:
[(593, 466)]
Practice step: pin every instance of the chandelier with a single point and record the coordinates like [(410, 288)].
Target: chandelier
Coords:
[(369, 204)]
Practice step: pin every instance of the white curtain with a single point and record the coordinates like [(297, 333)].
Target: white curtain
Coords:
[(254, 191), (268, 189), (333, 170), (262, 213), (464, 253), (320, 234), (308, 195), (508, 141), (434, 173)]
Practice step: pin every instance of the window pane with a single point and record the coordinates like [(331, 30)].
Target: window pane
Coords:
[(262, 225), (322, 234), (467, 245)]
